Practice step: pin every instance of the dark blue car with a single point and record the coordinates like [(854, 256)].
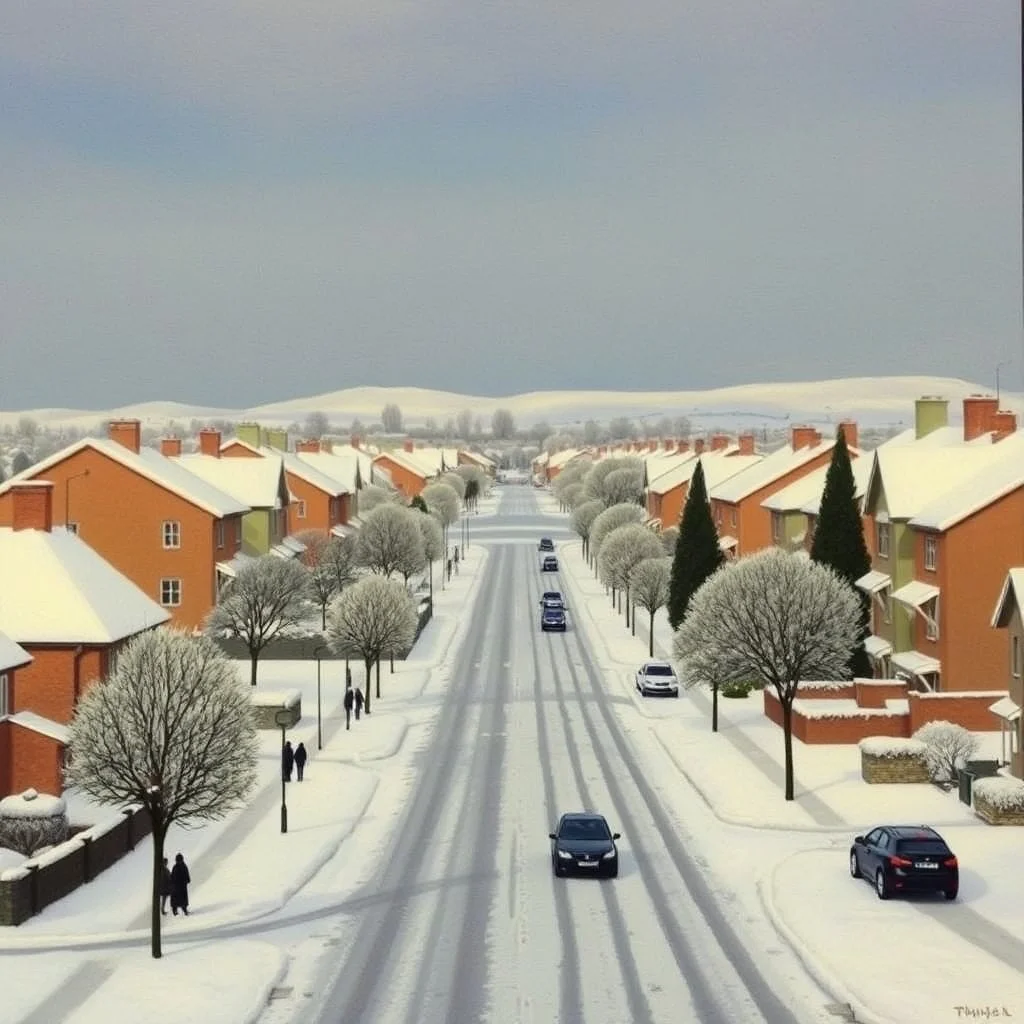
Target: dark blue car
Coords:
[(552, 618)]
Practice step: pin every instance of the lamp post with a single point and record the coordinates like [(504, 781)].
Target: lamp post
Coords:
[(319, 727), (67, 496), (283, 718)]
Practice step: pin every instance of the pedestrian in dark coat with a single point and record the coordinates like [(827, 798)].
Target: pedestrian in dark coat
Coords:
[(287, 760), (456, 561), (180, 881), (350, 699), (165, 887), (449, 569), (359, 702), (300, 759)]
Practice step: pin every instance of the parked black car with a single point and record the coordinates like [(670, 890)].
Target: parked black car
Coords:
[(546, 544), (583, 843), (905, 858)]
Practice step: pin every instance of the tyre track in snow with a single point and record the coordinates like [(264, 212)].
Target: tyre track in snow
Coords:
[(639, 1008), (353, 989), (706, 1001)]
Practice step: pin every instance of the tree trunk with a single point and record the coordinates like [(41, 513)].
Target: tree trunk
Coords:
[(254, 657), (430, 571), (323, 615), (392, 659), (787, 738), (366, 688), (632, 621), (627, 608), (158, 833), (650, 645), (377, 694), (714, 707)]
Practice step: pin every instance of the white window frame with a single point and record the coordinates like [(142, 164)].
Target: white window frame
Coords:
[(931, 552), (718, 514), (300, 508), (218, 533), (1015, 656), (930, 611), (883, 540), (5, 695), (777, 527), (171, 535), (168, 586), (733, 516)]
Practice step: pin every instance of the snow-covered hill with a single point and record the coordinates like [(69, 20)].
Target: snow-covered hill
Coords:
[(869, 400)]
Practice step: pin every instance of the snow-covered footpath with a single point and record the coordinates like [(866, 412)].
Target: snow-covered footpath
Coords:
[(250, 881), (904, 961)]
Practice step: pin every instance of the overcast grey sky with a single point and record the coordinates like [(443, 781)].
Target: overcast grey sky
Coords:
[(241, 201)]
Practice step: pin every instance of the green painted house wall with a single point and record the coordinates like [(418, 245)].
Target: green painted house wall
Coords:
[(257, 532)]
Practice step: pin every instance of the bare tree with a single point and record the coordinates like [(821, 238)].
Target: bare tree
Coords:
[(650, 589), (621, 428), (266, 599), (582, 522), (592, 432), (948, 747), (444, 503), (373, 495), (413, 557), (317, 425), (456, 482), (669, 536), (681, 427), (626, 484), (20, 461), (375, 616), (622, 551), (611, 519), (332, 567), (503, 425), (433, 543), (464, 424), (389, 539), (595, 482), (391, 419), (569, 497), (170, 728), (775, 617)]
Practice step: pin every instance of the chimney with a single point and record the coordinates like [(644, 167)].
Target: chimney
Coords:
[(127, 433), (308, 445), (849, 429), (170, 447), (979, 411), (356, 441), (698, 446), (930, 413), (804, 437), (746, 443), (209, 442), (276, 438), (408, 445), (652, 445), (250, 434), (33, 505), (326, 445), (683, 447), (1003, 424), (719, 442)]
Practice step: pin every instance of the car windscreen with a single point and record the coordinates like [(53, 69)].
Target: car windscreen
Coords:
[(919, 847), (659, 670), (584, 828)]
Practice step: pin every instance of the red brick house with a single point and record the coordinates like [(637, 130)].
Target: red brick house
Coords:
[(407, 474)]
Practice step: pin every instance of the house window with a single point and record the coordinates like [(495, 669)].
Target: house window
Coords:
[(172, 535), (931, 622), (300, 509), (1015, 656), (218, 533), (777, 527), (718, 514), (170, 593), (5, 699), (72, 528), (887, 606), (882, 539), (733, 516), (931, 552)]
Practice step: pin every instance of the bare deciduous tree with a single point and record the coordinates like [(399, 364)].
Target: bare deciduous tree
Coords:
[(611, 519), (464, 424), (170, 728), (266, 599), (373, 495), (582, 521), (444, 503), (374, 617), (317, 425), (625, 484), (332, 567), (433, 543), (389, 539), (456, 482), (775, 617), (622, 551), (650, 589), (669, 537), (503, 425), (594, 483), (391, 418)]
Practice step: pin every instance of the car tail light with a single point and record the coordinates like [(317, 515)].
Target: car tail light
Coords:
[(900, 862), (950, 862)]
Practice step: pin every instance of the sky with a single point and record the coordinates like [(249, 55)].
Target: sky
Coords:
[(242, 201)]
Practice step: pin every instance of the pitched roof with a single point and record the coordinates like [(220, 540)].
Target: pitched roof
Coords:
[(256, 483), (804, 495), (43, 726), (56, 589), (768, 469), (1011, 598), (479, 457), (336, 465), (11, 655), (566, 455), (152, 465), (406, 461), (718, 467)]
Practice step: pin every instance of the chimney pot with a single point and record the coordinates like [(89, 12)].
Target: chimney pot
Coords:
[(719, 442), (408, 445), (32, 502), (308, 445), (209, 442), (804, 437), (170, 447), (746, 444), (850, 433), (356, 441), (127, 433), (979, 413), (698, 446)]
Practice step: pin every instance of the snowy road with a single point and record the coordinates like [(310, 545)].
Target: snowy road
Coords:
[(473, 926)]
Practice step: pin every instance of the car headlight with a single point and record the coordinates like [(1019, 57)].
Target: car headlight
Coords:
[(609, 855), (565, 855)]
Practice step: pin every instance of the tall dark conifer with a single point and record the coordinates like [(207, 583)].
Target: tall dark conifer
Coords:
[(839, 538), (698, 555)]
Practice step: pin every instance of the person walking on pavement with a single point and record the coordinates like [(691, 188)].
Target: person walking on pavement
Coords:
[(449, 570), (359, 702), (287, 761), (456, 561), (300, 759), (165, 887), (350, 699), (180, 881)]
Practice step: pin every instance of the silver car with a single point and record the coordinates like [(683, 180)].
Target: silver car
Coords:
[(657, 678)]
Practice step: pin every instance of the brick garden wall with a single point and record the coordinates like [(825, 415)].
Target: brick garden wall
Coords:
[(969, 710), (893, 769)]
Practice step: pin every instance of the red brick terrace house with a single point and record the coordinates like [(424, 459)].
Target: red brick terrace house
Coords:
[(12, 658), (159, 525), (1008, 619), (407, 473), (70, 611)]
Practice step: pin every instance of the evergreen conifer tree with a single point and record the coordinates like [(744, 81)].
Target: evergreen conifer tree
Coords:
[(839, 538), (697, 555)]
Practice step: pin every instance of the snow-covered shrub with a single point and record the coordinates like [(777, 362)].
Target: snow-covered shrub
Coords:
[(30, 821), (892, 746), (1001, 793), (949, 748)]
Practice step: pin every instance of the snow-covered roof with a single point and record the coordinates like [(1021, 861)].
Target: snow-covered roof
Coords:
[(56, 589), (256, 483), (232, 568), (565, 456), (861, 468), (484, 460), (767, 469), (338, 465), (915, 663), (872, 582), (1007, 709), (915, 593), (1010, 598), (408, 461), (677, 471), (43, 726), (11, 655), (541, 459), (727, 543), (293, 464), (152, 465), (877, 646)]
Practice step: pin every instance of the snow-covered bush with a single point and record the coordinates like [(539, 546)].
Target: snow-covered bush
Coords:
[(1001, 793), (949, 748), (892, 746), (30, 821)]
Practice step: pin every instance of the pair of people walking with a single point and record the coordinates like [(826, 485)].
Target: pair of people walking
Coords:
[(353, 699), (293, 759), (174, 886)]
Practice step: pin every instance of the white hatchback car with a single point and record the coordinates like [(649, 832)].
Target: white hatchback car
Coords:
[(657, 678)]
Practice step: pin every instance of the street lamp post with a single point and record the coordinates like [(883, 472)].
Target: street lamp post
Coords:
[(319, 727), (67, 496), (283, 718)]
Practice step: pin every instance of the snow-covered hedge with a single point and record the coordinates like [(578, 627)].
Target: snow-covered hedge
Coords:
[(1001, 793), (822, 686), (32, 804), (892, 746), (276, 698), (950, 747), (30, 821)]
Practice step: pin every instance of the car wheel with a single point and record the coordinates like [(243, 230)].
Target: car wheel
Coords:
[(676, 695), (881, 885), (951, 894), (643, 691), (854, 865)]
